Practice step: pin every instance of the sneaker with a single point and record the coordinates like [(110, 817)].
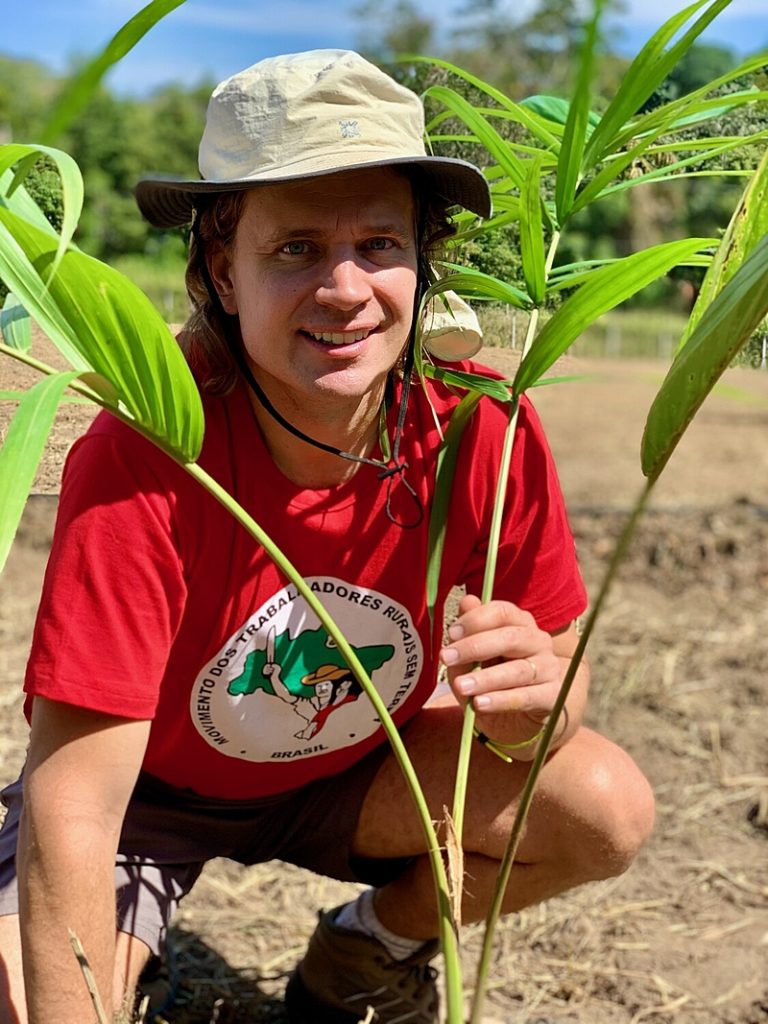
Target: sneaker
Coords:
[(344, 972)]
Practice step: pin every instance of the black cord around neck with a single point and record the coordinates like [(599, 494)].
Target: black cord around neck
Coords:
[(390, 469)]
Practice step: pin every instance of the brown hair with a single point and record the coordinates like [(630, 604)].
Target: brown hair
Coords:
[(204, 336)]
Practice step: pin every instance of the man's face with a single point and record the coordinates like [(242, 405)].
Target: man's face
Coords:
[(322, 274)]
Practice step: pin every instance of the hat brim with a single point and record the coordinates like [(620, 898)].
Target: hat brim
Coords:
[(170, 203)]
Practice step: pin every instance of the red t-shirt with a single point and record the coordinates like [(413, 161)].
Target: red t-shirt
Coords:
[(158, 605)]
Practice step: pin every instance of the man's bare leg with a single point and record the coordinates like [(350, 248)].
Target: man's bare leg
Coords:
[(592, 811)]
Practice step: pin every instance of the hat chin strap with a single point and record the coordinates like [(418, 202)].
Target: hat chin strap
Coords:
[(395, 466)]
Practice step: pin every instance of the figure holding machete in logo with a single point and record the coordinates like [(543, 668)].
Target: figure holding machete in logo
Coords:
[(333, 687)]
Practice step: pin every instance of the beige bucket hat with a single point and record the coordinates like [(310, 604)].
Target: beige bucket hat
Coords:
[(305, 115)]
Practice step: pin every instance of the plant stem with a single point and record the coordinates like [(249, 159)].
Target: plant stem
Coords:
[(542, 750), (448, 935), (88, 977), (467, 734), (75, 385)]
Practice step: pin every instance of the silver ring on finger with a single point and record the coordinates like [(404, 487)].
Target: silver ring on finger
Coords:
[(534, 668)]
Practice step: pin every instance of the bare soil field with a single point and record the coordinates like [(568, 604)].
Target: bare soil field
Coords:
[(680, 668)]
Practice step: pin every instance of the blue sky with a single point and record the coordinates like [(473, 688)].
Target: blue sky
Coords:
[(211, 39)]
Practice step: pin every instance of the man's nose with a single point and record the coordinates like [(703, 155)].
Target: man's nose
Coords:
[(346, 283)]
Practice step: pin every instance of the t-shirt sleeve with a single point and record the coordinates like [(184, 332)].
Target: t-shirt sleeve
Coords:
[(537, 567), (114, 589)]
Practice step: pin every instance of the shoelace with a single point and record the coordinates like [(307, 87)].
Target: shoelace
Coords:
[(416, 974)]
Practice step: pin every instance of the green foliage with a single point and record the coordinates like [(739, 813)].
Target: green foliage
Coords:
[(44, 187), (601, 152), (114, 141)]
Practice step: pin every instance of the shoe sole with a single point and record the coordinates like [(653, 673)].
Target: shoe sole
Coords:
[(304, 1008)]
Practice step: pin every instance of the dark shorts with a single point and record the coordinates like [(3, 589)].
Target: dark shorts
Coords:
[(169, 834)]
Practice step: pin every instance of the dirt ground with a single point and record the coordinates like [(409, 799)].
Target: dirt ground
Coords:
[(680, 666)]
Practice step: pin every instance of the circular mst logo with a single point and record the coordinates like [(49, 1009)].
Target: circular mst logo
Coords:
[(280, 688)]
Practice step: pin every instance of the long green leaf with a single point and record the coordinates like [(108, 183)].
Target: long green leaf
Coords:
[(81, 86), (603, 290), (730, 321), (677, 112), (646, 72), (537, 126), (748, 225), (484, 131), (600, 184), (532, 234), (113, 329), (575, 279), (476, 382), (475, 284), (491, 114), (445, 472), (15, 325), (569, 166), (21, 452)]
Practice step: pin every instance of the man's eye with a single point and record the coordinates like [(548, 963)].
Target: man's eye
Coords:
[(294, 248), (380, 244)]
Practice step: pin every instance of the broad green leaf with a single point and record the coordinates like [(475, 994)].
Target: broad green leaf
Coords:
[(555, 109), (22, 449), (604, 289), (747, 226), (113, 329), (475, 284), (532, 234), (484, 131), (20, 275), (445, 472), (15, 324), (646, 72), (537, 126), (731, 319), (81, 86), (71, 182), (570, 161)]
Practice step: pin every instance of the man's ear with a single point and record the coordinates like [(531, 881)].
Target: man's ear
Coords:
[(219, 268)]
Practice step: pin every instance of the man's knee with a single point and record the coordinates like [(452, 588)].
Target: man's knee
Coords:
[(620, 814), (593, 811)]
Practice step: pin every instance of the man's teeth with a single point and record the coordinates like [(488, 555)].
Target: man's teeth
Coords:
[(339, 337)]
